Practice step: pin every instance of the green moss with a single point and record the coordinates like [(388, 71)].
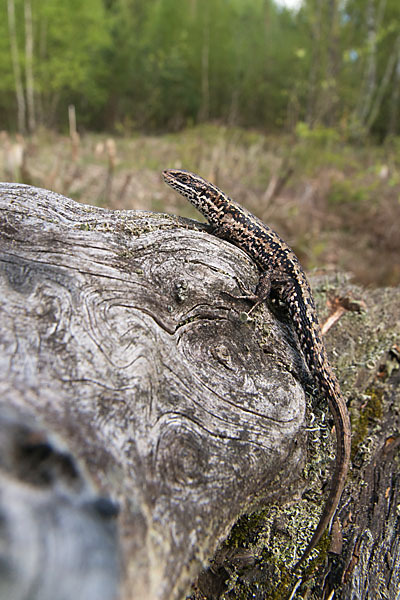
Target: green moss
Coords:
[(84, 227), (371, 413)]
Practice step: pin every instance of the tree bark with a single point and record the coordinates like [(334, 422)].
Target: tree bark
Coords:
[(129, 374), (362, 556), (19, 90), (370, 78), (118, 335), (394, 100), (30, 95), (370, 96), (332, 65), (204, 112), (390, 66), (315, 62)]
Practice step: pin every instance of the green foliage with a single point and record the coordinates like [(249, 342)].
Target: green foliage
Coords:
[(351, 192), (69, 39), (345, 192), (166, 64), (319, 136)]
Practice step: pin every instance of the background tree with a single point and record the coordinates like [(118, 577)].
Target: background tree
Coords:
[(164, 64), (19, 92)]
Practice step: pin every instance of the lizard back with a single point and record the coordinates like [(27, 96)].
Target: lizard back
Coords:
[(281, 268)]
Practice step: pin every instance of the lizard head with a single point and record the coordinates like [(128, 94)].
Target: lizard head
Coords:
[(205, 196)]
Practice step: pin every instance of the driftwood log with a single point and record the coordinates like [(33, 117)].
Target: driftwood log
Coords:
[(142, 413)]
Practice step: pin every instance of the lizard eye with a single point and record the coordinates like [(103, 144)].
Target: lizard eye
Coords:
[(184, 179)]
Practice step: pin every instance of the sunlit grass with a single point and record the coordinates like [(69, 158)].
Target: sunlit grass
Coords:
[(335, 203)]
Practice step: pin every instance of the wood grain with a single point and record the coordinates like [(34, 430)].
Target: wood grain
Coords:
[(118, 335)]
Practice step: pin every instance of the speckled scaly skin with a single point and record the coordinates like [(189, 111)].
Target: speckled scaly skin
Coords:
[(282, 273)]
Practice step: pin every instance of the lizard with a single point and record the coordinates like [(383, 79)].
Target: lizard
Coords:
[(282, 274)]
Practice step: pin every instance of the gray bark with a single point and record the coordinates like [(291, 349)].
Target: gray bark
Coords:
[(19, 90), (370, 78), (30, 95), (361, 560), (205, 67), (128, 374), (332, 65), (314, 74), (117, 336), (372, 92), (58, 538)]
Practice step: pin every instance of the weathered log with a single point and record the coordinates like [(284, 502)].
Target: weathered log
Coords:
[(361, 559), (118, 336), (58, 538), (121, 336)]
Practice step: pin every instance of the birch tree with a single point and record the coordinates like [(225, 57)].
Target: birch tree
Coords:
[(19, 90), (29, 65)]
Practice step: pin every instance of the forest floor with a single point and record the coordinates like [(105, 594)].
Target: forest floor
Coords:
[(336, 204)]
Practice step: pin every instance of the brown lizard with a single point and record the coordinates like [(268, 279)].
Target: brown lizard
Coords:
[(281, 273)]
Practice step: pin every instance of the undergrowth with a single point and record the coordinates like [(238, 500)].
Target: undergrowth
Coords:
[(337, 204)]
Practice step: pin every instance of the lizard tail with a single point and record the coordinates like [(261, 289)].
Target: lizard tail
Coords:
[(343, 448)]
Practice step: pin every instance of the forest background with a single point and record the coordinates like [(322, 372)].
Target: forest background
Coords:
[(294, 113)]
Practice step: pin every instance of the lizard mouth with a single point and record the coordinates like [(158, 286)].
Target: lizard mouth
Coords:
[(181, 181), (177, 175)]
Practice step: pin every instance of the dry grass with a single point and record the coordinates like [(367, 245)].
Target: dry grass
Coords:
[(337, 206)]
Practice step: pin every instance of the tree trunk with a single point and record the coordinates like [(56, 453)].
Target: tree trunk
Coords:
[(19, 90), (394, 101), (368, 85), (114, 334), (129, 373), (365, 105), (204, 112), (390, 66), (29, 66), (361, 559), (332, 65), (316, 26)]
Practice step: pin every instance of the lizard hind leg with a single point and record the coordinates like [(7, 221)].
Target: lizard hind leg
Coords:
[(261, 293), (266, 282), (269, 279), (272, 280), (263, 290)]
